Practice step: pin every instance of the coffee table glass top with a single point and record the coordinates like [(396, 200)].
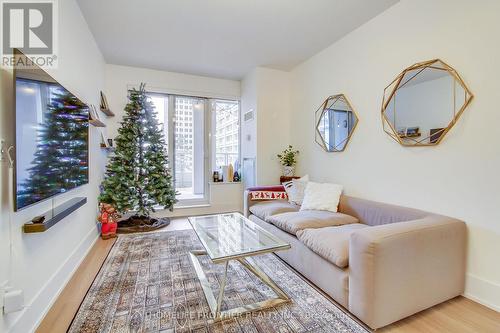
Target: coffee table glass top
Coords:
[(230, 236)]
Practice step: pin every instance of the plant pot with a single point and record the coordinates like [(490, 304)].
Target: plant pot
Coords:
[(288, 171)]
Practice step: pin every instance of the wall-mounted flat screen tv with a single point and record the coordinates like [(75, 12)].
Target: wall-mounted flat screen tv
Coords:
[(51, 138)]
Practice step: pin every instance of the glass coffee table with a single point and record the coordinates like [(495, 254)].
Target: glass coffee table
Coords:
[(227, 237)]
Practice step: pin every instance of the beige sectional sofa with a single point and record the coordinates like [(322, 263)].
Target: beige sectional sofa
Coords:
[(381, 262)]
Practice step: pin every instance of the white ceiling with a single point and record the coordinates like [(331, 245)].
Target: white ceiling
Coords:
[(221, 38)]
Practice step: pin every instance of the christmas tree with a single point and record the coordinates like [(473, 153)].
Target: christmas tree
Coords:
[(137, 176), (60, 162)]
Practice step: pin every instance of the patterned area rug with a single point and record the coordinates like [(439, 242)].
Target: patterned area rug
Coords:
[(148, 284)]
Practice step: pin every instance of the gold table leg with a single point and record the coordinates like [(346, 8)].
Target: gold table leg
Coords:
[(215, 305)]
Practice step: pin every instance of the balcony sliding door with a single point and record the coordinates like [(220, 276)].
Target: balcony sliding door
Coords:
[(189, 142), (183, 122), (189, 124)]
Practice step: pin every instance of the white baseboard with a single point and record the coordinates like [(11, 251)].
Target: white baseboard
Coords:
[(36, 309), (483, 292)]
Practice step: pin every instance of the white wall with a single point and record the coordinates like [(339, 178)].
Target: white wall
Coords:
[(119, 79), (267, 92), (273, 121), (460, 177), (248, 104), (43, 263)]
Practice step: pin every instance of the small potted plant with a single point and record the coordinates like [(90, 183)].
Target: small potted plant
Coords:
[(288, 159)]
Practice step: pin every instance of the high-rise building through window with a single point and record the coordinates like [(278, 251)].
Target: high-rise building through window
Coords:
[(227, 133)]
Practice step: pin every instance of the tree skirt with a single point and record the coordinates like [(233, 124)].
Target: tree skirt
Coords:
[(148, 284), (141, 224)]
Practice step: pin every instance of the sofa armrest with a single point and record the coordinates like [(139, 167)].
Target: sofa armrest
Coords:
[(402, 268), (247, 202)]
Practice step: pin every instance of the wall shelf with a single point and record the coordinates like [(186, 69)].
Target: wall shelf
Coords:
[(109, 149), (94, 118), (96, 123), (55, 215), (225, 183), (105, 106), (107, 112)]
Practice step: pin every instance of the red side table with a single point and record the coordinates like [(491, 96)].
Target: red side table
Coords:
[(284, 179)]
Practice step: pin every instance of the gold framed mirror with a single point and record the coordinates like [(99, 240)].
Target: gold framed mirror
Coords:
[(422, 104), (335, 122)]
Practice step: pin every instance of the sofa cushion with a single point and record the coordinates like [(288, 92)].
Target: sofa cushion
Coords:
[(331, 243), (295, 189), (321, 196), (292, 222), (267, 208)]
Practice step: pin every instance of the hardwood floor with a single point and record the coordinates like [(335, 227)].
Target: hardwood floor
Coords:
[(454, 316)]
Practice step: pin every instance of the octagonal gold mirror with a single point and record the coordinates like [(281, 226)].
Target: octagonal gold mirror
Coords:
[(335, 123), (423, 103)]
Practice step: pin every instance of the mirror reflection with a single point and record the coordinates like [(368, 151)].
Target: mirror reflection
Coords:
[(423, 103), (335, 123)]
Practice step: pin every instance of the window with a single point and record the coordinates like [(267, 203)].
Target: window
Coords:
[(184, 123), (186, 151), (189, 161), (226, 121), (161, 106)]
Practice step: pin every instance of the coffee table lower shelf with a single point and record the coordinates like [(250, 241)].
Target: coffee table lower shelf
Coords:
[(215, 304)]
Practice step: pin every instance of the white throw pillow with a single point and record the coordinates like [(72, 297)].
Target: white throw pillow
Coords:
[(295, 189), (321, 196)]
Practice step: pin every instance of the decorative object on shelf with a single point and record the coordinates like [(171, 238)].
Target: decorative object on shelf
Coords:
[(216, 177), (223, 173), (106, 143), (137, 176), (109, 220), (236, 177), (288, 159), (109, 149), (423, 103), (38, 219), (230, 173), (94, 119), (53, 216), (105, 106), (336, 121)]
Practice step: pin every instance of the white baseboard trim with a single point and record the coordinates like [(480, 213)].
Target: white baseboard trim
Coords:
[(483, 292), (36, 309)]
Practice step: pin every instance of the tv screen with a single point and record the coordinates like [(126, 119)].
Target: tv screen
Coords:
[(51, 138)]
